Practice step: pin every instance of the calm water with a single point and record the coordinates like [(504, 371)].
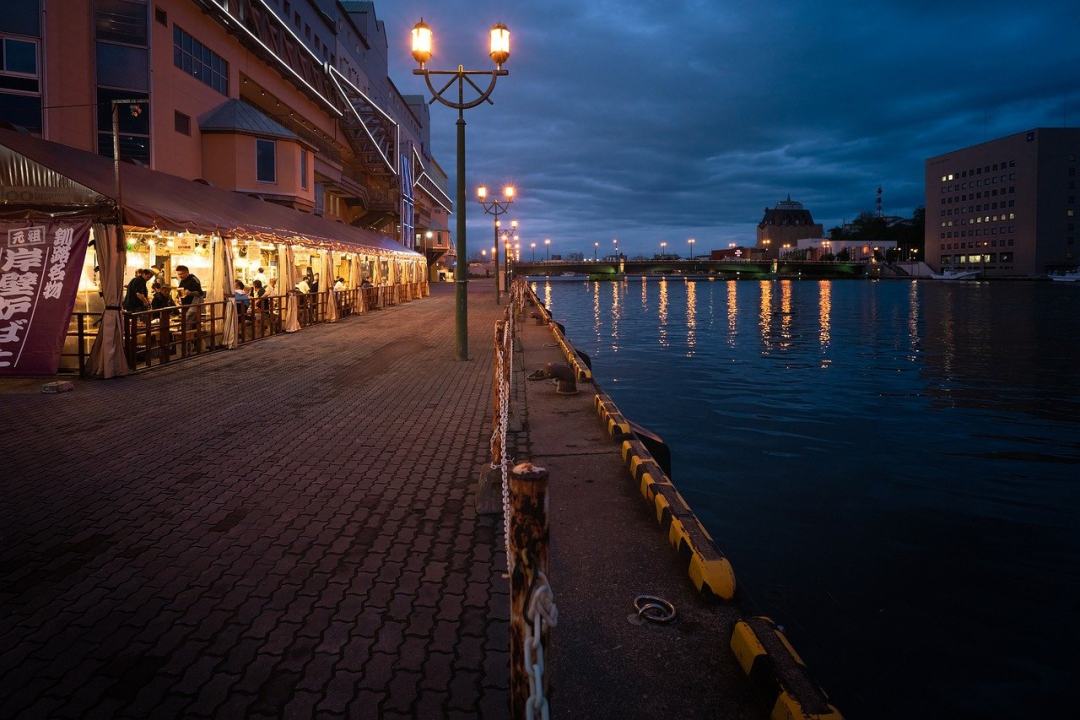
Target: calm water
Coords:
[(892, 468)]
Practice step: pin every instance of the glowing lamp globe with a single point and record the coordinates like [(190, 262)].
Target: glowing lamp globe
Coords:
[(481, 192), (421, 42), (500, 43)]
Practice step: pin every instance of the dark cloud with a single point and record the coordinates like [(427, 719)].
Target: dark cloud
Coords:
[(664, 120)]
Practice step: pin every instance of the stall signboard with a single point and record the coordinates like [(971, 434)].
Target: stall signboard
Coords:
[(40, 265), (184, 244)]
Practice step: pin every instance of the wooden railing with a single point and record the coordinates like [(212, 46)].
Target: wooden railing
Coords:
[(157, 337)]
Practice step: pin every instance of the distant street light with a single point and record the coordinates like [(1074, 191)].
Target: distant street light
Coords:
[(691, 242), (495, 207), (532, 248), (422, 51), (663, 248), (547, 248), (595, 251)]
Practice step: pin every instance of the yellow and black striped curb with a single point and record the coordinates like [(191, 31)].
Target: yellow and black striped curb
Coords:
[(709, 571), (777, 672), (584, 374)]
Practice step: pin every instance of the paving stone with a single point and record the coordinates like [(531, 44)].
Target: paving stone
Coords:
[(325, 561)]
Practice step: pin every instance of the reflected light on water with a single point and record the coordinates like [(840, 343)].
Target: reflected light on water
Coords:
[(913, 320), (547, 293), (691, 317), (765, 315), (785, 314), (825, 313), (644, 295), (732, 311), (616, 312), (596, 309), (662, 312)]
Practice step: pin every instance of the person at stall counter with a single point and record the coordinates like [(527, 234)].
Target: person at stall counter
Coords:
[(190, 288), (260, 277), (138, 295)]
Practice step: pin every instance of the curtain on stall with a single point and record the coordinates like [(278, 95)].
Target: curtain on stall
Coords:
[(221, 289), (355, 280), (282, 272), (107, 355), (292, 301), (331, 278)]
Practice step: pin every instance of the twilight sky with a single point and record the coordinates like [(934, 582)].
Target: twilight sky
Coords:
[(669, 119)]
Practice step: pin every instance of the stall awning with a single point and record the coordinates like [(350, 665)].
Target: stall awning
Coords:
[(158, 200)]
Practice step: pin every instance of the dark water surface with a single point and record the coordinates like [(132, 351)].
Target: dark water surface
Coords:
[(892, 467)]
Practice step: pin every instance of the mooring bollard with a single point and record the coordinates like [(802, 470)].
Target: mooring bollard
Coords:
[(529, 556)]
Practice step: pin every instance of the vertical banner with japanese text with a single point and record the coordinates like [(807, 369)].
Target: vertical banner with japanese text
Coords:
[(40, 265)]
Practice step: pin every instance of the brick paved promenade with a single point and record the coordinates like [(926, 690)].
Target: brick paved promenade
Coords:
[(285, 530)]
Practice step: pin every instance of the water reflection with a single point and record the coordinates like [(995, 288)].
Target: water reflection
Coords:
[(785, 314), (596, 309), (732, 311), (691, 317), (966, 462), (644, 295), (824, 314), (616, 313), (765, 315), (913, 320), (662, 312), (547, 293)]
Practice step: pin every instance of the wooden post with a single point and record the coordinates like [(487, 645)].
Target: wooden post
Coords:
[(529, 553)]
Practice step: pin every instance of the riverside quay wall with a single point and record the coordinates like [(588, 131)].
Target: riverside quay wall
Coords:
[(752, 645)]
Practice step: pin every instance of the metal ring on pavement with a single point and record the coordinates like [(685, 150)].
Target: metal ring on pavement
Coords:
[(654, 609)]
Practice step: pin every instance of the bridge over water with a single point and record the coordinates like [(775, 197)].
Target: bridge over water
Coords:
[(727, 268)]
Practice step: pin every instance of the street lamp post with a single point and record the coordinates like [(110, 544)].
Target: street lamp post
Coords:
[(547, 248), (511, 237), (663, 249), (615, 242), (691, 242), (494, 206), (532, 249), (595, 251), (499, 53)]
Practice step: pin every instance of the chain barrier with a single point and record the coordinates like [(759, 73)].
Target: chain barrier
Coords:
[(541, 613)]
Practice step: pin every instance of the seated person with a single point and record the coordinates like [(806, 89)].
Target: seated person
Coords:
[(243, 300), (162, 297)]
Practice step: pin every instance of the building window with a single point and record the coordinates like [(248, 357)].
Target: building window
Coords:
[(20, 85), (303, 169), (266, 160), (182, 123), (199, 61), (121, 21)]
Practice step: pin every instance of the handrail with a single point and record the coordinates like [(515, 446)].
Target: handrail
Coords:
[(155, 337)]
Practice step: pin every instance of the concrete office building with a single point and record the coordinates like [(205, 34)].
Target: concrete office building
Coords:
[(1006, 207)]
